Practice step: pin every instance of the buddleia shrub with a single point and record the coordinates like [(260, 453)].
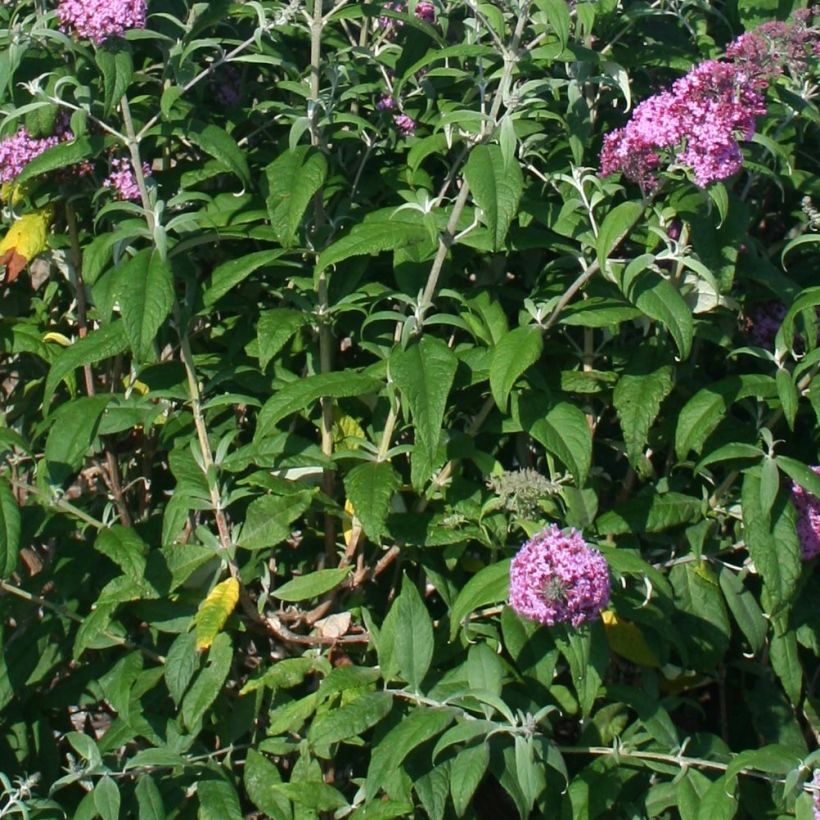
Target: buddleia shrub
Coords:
[(409, 409)]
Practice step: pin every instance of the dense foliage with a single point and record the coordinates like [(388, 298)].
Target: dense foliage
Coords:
[(312, 315)]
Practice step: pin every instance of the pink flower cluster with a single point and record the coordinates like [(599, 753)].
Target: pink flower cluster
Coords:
[(816, 783), (699, 121), (122, 180), (98, 20), (556, 578), (808, 519), (18, 151), (405, 124)]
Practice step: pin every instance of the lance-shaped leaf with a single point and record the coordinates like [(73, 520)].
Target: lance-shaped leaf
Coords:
[(705, 410), (293, 178), (221, 146), (72, 434), (9, 530), (145, 290), (488, 586), (496, 186), (564, 431), (214, 611), (369, 487), (424, 374), (109, 340), (516, 351), (772, 542), (637, 399), (414, 638)]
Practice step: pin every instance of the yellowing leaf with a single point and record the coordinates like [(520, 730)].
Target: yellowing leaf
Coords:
[(348, 527), (12, 193), (347, 433), (627, 640), (25, 239), (214, 611), (61, 339)]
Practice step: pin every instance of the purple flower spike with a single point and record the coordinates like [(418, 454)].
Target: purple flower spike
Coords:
[(426, 12), (808, 519), (405, 125), (386, 103), (122, 179), (18, 151), (557, 578)]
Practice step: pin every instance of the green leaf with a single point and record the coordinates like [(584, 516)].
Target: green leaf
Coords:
[(293, 179), (145, 290), (413, 648), (787, 393), (496, 187), (466, 771), (369, 487), (149, 800), (637, 398), (772, 542), (311, 585), (118, 683), (432, 789), (349, 720), (587, 653), (744, 608), (61, 156), (530, 775), (72, 433), (107, 798), (374, 235), (488, 586), (424, 374), (420, 725), (705, 410), (259, 778), (557, 14), (719, 802), (274, 329), (103, 343), (616, 227), (205, 689), (180, 665), (517, 351), (218, 800), (800, 474), (701, 613), (314, 795), (785, 659), (660, 300), (222, 147), (214, 611), (9, 530), (125, 548), (484, 670), (229, 274), (564, 431), (650, 512), (297, 395), (268, 520), (117, 69)]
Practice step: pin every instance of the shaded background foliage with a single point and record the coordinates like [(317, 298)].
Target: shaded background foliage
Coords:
[(275, 426)]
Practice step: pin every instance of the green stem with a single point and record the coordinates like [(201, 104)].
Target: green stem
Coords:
[(62, 612), (186, 353), (57, 503)]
